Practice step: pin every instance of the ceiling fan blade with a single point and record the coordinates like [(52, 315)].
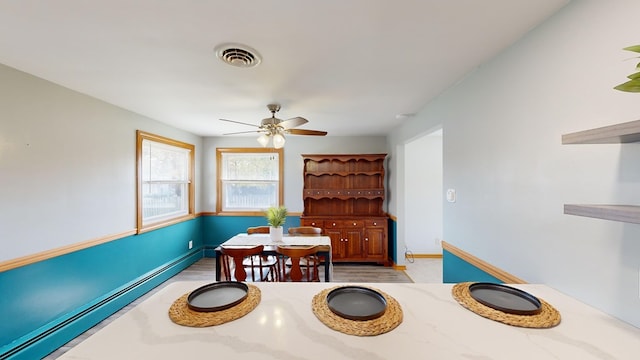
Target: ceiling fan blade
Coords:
[(244, 132), (306, 132), (240, 122), (293, 122)]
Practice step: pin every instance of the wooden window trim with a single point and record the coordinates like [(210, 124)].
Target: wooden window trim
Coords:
[(140, 136), (220, 151)]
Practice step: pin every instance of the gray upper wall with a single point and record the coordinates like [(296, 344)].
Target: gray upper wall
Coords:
[(294, 147), (67, 165), (503, 154)]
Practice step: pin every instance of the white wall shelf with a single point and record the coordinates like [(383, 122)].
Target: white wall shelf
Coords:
[(614, 134), (628, 132), (624, 213)]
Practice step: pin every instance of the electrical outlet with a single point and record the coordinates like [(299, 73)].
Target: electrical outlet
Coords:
[(190, 244)]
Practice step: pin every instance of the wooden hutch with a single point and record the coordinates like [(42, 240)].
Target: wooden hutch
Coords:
[(343, 194)]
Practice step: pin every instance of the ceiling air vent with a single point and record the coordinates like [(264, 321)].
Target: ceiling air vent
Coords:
[(238, 55)]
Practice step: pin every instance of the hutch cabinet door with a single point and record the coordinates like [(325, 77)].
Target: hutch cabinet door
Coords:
[(338, 246), (375, 243), (346, 244), (353, 240)]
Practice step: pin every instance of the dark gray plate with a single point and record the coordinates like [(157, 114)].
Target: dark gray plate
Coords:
[(356, 303), (217, 296), (505, 298)]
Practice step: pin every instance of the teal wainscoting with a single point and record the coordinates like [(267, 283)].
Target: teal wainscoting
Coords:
[(392, 236), (455, 270), (46, 304), (218, 229)]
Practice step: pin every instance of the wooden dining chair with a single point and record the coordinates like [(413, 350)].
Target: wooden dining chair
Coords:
[(234, 266), (297, 271), (258, 230), (266, 260), (305, 231)]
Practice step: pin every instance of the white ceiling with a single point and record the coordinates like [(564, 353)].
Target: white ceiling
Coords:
[(348, 66)]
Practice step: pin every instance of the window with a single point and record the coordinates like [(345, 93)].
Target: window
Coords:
[(165, 181), (249, 180)]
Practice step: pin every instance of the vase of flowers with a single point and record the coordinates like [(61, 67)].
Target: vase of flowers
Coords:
[(276, 216)]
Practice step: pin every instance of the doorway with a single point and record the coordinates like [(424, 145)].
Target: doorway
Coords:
[(423, 194)]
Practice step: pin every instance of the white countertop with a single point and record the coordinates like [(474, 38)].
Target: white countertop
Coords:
[(435, 326)]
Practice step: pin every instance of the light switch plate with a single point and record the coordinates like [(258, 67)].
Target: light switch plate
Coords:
[(451, 195)]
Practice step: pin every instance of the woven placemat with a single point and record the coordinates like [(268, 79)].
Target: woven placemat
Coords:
[(180, 313), (547, 318), (391, 318)]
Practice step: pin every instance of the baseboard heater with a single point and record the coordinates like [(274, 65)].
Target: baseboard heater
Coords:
[(67, 322)]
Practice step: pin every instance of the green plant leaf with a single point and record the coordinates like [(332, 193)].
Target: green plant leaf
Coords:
[(634, 48), (629, 86), (634, 75), (276, 216), (633, 85)]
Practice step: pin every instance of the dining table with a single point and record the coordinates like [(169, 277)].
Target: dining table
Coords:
[(433, 325), (245, 240)]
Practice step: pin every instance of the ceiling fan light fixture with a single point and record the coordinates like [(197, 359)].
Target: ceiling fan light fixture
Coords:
[(278, 141), (276, 128), (238, 55), (263, 140)]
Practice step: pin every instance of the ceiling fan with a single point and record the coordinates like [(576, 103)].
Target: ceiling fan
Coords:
[(274, 128)]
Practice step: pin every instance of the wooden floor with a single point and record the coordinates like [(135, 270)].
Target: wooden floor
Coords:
[(204, 270)]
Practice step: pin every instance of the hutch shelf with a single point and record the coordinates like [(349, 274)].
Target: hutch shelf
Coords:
[(628, 132), (343, 194)]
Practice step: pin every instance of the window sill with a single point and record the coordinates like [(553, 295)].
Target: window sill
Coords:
[(165, 223)]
